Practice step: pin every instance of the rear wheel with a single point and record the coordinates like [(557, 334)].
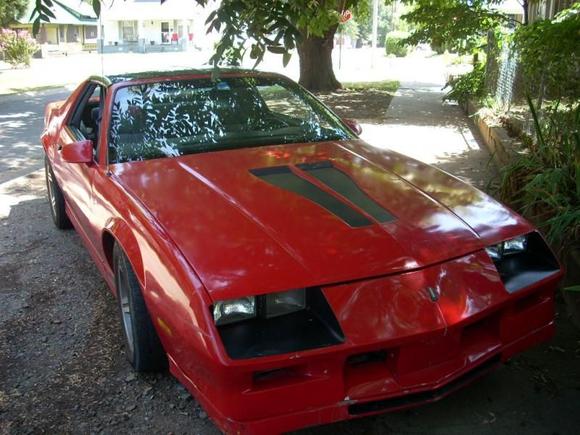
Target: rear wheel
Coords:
[(55, 198), (144, 350)]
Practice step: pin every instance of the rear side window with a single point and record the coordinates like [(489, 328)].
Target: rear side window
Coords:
[(169, 119)]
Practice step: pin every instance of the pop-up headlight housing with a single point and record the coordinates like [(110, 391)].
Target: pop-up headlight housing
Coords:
[(517, 245), (275, 323), (234, 310), (522, 261)]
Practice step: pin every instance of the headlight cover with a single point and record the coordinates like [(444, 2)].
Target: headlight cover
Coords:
[(276, 323), (278, 304), (268, 306), (522, 261), (516, 245), (234, 310)]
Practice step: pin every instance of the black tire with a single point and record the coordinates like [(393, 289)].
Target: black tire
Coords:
[(143, 347), (55, 199)]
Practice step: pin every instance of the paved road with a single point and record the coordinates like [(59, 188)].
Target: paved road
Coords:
[(21, 122)]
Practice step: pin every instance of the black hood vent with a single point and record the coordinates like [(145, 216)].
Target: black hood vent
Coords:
[(342, 184), (345, 205), (283, 177)]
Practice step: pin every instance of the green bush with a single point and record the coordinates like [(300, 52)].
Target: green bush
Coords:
[(395, 44), (467, 86), (17, 47), (543, 183), (549, 52)]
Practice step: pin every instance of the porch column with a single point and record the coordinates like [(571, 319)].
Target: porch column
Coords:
[(141, 35)]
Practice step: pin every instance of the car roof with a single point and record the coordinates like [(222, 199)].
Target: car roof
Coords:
[(135, 76)]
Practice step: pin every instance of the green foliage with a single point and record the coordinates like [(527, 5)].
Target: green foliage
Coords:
[(395, 43), (544, 182), (549, 53), (11, 10), (457, 25), (383, 85), (467, 86), (272, 25), (17, 47), (386, 23), (350, 28)]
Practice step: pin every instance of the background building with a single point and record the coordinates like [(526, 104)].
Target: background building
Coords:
[(147, 25), (73, 29)]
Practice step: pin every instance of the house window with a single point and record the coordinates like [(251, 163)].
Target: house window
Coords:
[(128, 31), (72, 33), (165, 36), (91, 32)]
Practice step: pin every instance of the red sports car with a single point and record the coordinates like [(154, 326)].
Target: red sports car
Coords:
[(285, 271)]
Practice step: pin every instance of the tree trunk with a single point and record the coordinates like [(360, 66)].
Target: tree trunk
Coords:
[(315, 55)]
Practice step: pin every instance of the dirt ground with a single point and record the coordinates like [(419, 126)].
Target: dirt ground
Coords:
[(62, 367)]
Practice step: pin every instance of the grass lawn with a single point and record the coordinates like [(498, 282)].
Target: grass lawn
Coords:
[(383, 85)]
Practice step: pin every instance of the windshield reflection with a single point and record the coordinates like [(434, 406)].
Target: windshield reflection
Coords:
[(173, 118)]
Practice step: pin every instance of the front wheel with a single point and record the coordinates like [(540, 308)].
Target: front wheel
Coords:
[(144, 350), (55, 198)]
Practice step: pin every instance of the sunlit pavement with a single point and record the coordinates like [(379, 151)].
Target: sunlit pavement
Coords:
[(419, 124), (21, 122)]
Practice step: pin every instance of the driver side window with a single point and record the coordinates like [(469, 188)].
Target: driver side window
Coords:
[(86, 120)]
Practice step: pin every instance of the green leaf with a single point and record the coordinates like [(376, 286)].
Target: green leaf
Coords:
[(276, 49), (36, 9), (97, 7), (286, 58), (574, 288), (46, 11), (255, 51), (210, 17), (36, 26)]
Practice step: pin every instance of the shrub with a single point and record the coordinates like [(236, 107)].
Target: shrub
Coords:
[(543, 183), (394, 44), (467, 86), (550, 55), (17, 47)]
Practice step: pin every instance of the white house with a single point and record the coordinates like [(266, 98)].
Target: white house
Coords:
[(72, 29), (147, 25)]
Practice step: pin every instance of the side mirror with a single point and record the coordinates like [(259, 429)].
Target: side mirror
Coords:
[(78, 152), (353, 125)]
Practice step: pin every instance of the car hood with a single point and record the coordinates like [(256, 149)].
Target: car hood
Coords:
[(246, 232)]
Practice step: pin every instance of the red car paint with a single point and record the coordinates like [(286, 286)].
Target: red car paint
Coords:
[(200, 228)]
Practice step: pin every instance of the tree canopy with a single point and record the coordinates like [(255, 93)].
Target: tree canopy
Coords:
[(456, 24), (255, 27), (11, 10)]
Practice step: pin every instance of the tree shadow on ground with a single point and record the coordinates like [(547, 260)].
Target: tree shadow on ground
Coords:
[(21, 124), (369, 105)]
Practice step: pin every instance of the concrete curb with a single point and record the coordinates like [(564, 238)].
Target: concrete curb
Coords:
[(496, 138)]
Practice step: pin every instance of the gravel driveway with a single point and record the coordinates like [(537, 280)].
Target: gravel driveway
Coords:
[(62, 368)]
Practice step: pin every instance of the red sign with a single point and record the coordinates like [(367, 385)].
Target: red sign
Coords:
[(345, 16)]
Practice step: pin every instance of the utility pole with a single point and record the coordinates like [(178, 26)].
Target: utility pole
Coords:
[(375, 31)]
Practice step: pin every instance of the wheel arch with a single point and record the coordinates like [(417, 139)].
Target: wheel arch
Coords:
[(118, 233)]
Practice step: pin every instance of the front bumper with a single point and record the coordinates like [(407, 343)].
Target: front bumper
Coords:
[(343, 382)]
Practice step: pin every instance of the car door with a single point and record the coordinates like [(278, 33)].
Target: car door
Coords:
[(83, 123)]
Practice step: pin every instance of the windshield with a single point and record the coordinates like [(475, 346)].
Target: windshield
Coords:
[(173, 118)]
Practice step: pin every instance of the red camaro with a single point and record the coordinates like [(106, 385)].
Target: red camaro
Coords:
[(285, 271)]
